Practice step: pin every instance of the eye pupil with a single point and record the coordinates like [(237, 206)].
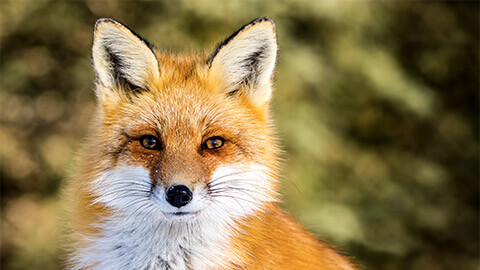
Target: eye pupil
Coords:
[(214, 143), (149, 142)]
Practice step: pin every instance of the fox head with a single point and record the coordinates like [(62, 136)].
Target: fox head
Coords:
[(182, 138)]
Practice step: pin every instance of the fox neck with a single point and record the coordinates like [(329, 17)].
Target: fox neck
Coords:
[(142, 243)]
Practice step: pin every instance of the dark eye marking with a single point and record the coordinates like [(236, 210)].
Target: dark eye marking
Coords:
[(213, 143), (150, 142)]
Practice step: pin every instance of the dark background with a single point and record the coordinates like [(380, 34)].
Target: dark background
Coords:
[(376, 104)]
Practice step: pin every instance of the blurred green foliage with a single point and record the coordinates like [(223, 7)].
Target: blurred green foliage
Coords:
[(377, 105)]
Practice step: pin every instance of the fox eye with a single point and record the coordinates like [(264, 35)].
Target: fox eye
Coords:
[(213, 143), (149, 142)]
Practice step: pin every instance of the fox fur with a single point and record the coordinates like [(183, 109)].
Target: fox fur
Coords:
[(120, 218)]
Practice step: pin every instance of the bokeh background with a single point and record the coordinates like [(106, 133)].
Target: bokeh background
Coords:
[(376, 103)]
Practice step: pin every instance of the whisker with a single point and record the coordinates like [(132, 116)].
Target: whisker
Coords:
[(235, 199), (238, 180), (126, 189), (230, 174), (124, 192), (137, 211), (131, 182), (133, 202), (102, 201), (133, 196), (251, 187), (219, 190), (232, 197), (152, 208), (222, 206), (251, 199), (249, 180)]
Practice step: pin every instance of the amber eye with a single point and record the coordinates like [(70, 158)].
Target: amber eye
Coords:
[(213, 143), (150, 142)]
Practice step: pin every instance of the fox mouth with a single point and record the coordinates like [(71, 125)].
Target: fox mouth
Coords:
[(179, 216), (181, 213)]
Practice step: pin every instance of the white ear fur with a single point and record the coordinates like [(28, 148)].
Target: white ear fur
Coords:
[(118, 53), (247, 59)]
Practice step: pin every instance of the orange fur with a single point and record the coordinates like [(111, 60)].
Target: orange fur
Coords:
[(183, 106)]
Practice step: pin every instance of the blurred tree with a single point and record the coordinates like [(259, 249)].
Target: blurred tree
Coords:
[(377, 104)]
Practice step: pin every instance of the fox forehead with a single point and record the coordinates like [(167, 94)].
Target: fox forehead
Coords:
[(186, 75), (180, 70), (182, 109), (184, 97)]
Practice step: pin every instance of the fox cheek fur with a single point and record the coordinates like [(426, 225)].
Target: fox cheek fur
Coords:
[(181, 165)]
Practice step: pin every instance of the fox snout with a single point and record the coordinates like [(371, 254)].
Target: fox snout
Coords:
[(179, 178)]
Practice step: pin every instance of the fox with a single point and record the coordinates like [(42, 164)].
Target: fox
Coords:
[(181, 166)]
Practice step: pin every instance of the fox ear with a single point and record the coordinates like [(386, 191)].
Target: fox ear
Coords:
[(121, 57), (246, 60)]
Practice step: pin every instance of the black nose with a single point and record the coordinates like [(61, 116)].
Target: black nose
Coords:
[(179, 196)]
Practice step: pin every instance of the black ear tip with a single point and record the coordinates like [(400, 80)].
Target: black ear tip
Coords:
[(106, 20), (262, 19)]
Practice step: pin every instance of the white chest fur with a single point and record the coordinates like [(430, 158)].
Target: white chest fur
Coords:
[(143, 244)]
